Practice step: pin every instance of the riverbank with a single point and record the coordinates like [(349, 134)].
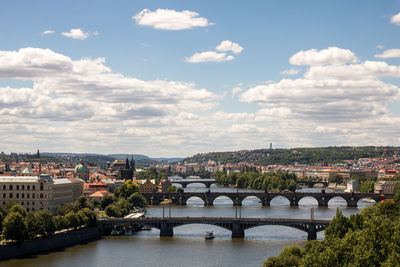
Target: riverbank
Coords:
[(54, 242)]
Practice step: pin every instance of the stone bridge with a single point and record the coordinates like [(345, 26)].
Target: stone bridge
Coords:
[(265, 197), (237, 226), (185, 182)]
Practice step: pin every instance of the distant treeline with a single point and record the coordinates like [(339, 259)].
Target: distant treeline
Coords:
[(323, 155)]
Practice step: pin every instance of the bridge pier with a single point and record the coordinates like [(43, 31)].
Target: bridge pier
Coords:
[(294, 202), (265, 202), (351, 202), (165, 230), (322, 202), (237, 231), (312, 231)]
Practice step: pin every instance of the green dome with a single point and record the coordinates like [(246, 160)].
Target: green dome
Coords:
[(81, 168)]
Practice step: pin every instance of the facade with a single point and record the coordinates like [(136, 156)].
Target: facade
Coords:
[(353, 186), (385, 187), (38, 192), (147, 187), (164, 185)]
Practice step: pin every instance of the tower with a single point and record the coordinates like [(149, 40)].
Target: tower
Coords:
[(270, 146)]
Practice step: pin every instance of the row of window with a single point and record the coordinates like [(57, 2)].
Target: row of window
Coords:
[(17, 195), (27, 203), (28, 187)]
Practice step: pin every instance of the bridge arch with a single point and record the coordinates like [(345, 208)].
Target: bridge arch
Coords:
[(280, 201), (251, 201), (196, 184), (179, 185), (337, 201), (223, 226), (308, 201), (195, 200), (219, 200)]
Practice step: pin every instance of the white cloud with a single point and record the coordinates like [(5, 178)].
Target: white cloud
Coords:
[(290, 72), (380, 46), (209, 56), (95, 33), (48, 32), (390, 53), (169, 19), (76, 34), (227, 45), (331, 55), (236, 91), (395, 19)]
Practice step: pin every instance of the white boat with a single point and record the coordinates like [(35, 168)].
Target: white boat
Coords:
[(209, 235), (368, 200)]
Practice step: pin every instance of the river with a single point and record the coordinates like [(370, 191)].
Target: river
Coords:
[(188, 247)]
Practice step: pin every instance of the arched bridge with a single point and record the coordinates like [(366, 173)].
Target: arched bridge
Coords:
[(185, 182), (265, 197), (237, 226)]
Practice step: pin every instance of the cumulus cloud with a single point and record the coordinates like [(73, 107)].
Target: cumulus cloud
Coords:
[(227, 45), (290, 72), (390, 53), (236, 91), (169, 19), (331, 55), (209, 56), (76, 34), (395, 19), (48, 32)]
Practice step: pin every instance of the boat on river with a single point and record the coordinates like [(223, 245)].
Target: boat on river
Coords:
[(209, 235)]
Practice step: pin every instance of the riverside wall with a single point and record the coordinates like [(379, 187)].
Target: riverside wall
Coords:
[(54, 242)]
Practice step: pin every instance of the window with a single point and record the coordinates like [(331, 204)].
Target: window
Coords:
[(27, 195), (23, 187), (41, 187), (33, 187), (17, 195), (4, 187), (27, 209), (33, 195), (11, 195), (33, 209), (22, 195), (4, 202), (22, 203), (27, 203), (17, 186), (11, 187), (41, 195), (28, 187), (4, 195)]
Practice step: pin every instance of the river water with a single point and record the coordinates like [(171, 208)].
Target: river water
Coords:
[(188, 247)]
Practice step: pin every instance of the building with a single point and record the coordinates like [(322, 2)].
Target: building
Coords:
[(81, 171), (164, 185), (353, 186), (38, 192), (148, 187), (385, 187)]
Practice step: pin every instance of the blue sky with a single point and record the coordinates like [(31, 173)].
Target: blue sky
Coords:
[(172, 106)]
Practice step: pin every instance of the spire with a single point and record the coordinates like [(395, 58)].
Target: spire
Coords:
[(127, 164), (132, 163), (38, 154)]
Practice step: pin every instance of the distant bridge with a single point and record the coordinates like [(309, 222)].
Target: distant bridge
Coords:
[(237, 198), (209, 182), (237, 226)]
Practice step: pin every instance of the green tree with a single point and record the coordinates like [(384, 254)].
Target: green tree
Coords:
[(106, 201), (32, 224), (124, 206), (72, 219), (81, 202), (47, 224), (67, 208), (290, 256), (367, 187), (18, 208), (137, 200), (112, 210), (14, 227), (337, 179), (89, 215), (126, 189), (339, 226)]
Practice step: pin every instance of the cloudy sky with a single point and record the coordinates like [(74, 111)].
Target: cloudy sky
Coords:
[(175, 78)]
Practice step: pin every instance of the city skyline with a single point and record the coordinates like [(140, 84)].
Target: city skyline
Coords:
[(170, 78)]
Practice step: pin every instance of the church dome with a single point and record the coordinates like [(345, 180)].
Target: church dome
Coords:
[(81, 168)]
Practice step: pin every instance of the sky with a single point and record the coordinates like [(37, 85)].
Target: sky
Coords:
[(177, 78)]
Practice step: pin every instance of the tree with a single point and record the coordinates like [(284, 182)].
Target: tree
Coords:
[(137, 200), (32, 224), (124, 206), (14, 227), (81, 202), (126, 189), (72, 219), (47, 224), (339, 226), (290, 256), (106, 201), (18, 208), (113, 211), (337, 179), (67, 208), (367, 187), (88, 215)]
